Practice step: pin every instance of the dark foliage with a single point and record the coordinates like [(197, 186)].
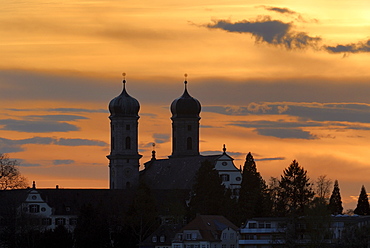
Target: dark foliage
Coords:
[(92, 228), (209, 195), (141, 219), (335, 203), (295, 191), (363, 207), (253, 198)]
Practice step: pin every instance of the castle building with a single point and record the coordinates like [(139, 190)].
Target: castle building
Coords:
[(177, 172)]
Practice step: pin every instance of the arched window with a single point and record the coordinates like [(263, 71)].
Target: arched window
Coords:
[(128, 143), (189, 144)]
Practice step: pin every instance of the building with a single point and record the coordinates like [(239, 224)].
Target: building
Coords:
[(207, 231), (178, 171), (305, 231)]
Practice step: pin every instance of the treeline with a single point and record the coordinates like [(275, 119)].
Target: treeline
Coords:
[(293, 194)]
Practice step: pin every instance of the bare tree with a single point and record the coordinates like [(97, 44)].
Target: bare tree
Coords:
[(10, 177), (322, 187)]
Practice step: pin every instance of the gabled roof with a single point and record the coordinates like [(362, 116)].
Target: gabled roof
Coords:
[(210, 226), (167, 231)]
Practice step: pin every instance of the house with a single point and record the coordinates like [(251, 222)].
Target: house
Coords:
[(162, 237), (302, 231), (207, 231)]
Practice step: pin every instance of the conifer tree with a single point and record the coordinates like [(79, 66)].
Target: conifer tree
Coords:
[(363, 207), (208, 193), (295, 190), (335, 202), (253, 192)]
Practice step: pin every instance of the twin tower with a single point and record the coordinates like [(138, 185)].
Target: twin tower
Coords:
[(124, 115)]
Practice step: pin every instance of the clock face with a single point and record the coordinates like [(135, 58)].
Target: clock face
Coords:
[(128, 172)]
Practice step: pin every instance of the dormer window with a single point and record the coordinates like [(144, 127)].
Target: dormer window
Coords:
[(154, 239), (162, 238)]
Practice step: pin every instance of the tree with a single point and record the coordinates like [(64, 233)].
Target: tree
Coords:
[(10, 177), (335, 203), (142, 217), (363, 207), (253, 192), (322, 187), (92, 228), (273, 191), (208, 193), (295, 190)]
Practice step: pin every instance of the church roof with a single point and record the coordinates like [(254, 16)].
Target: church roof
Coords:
[(173, 173), (185, 106), (124, 105)]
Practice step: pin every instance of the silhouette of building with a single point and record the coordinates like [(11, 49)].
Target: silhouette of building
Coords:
[(176, 172)]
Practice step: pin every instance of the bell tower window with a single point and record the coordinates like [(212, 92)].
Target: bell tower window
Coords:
[(189, 144), (128, 143)]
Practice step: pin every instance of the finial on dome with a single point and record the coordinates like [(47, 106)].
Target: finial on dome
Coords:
[(186, 77), (124, 77), (153, 152), (224, 149)]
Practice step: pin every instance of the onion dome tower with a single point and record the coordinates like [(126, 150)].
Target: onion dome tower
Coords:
[(185, 125), (124, 156)]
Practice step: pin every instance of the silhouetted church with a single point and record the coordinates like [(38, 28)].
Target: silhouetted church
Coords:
[(176, 172)]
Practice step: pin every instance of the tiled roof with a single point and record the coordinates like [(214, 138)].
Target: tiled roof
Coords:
[(210, 226)]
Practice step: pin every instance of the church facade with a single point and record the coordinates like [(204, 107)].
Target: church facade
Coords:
[(176, 172)]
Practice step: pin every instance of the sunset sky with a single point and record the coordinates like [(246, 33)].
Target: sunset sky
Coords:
[(281, 79)]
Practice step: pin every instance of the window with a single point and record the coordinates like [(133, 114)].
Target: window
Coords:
[(43, 209), (189, 143), (249, 237), (128, 143), (225, 177), (188, 236), (127, 127), (189, 127), (261, 225), (252, 225), (223, 246), (162, 238), (268, 225), (60, 221), (34, 197), (231, 235), (224, 236), (34, 208), (46, 221), (154, 239), (193, 236), (232, 246)]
